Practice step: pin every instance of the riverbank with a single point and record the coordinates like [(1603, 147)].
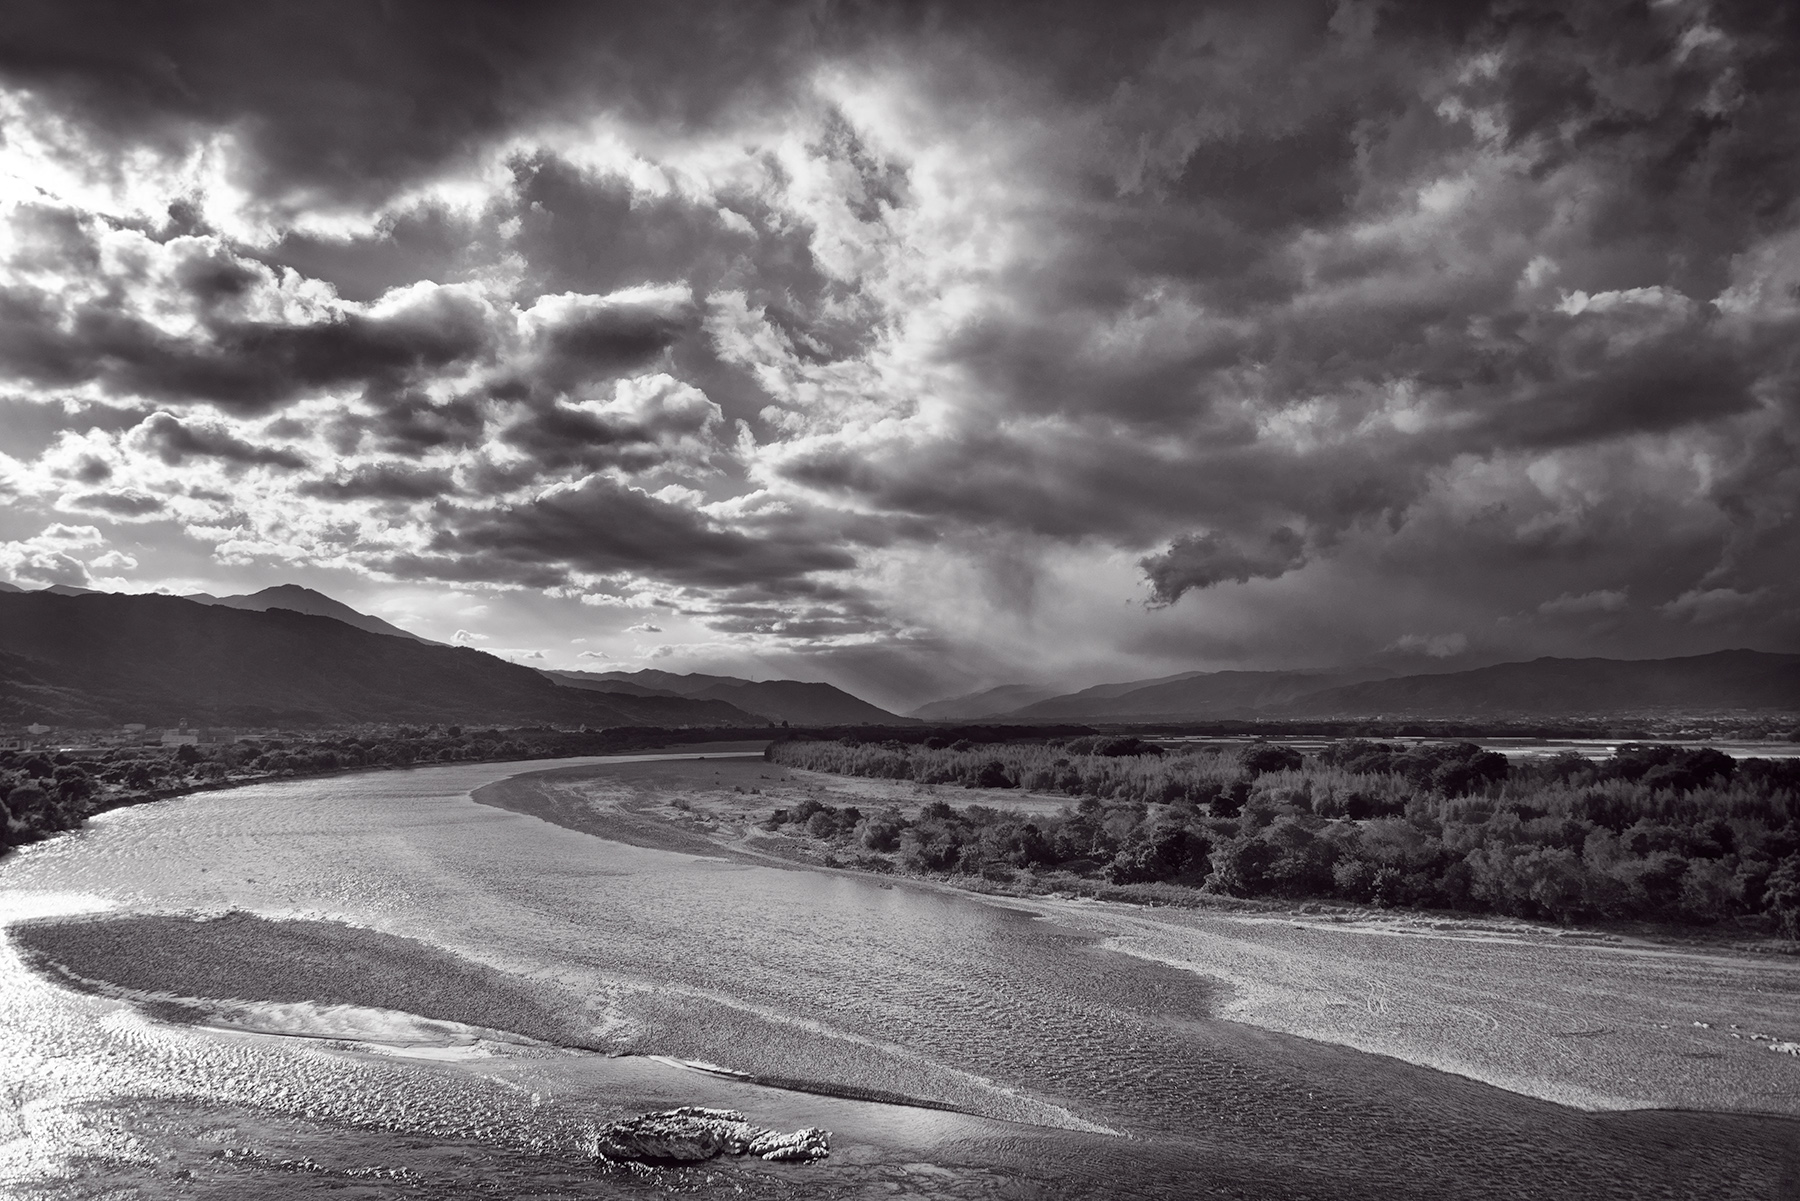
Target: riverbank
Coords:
[(771, 969), (1598, 1020), (1667, 834), (45, 792), (719, 806)]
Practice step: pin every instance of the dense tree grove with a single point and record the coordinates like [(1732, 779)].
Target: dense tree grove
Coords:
[(1658, 832), (44, 792)]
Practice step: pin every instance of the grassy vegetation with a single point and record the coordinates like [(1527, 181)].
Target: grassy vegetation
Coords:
[(1658, 833)]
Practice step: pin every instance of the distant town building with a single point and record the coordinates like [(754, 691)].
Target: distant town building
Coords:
[(134, 727), (37, 730), (181, 738)]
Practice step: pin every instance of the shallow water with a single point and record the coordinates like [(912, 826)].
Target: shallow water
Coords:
[(1062, 1068)]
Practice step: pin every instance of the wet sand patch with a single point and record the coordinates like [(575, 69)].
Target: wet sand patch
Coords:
[(292, 975), (243, 957), (272, 1153)]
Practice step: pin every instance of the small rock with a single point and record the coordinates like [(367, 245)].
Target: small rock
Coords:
[(800, 1146)]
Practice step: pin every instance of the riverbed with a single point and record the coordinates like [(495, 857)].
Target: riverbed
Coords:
[(495, 984)]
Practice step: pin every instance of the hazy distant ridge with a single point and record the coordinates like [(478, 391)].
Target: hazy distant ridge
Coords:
[(990, 702), (1738, 679), (777, 700), (1195, 694)]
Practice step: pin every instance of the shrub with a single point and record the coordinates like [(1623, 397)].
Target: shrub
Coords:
[(1444, 824), (881, 831), (1267, 757)]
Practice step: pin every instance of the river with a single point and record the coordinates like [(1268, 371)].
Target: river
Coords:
[(376, 985)]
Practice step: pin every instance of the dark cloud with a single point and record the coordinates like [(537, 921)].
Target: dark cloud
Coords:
[(382, 481), (560, 437), (585, 338), (246, 366), (1202, 560), (353, 100), (174, 441), (117, 504), (411, 422), (602, 527), (1069, 482), (218, 278)]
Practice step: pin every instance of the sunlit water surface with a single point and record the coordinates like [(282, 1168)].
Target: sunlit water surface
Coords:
[(1044, 1063)]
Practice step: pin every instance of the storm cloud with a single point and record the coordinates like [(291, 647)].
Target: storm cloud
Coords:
[(995, 342)]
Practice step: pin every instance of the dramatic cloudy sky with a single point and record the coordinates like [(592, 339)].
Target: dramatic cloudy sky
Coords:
[(917, 348)]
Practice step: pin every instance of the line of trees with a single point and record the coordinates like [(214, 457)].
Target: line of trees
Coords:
[(1654, 832)]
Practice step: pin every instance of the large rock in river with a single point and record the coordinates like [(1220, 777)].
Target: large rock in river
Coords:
[(692, 1133)]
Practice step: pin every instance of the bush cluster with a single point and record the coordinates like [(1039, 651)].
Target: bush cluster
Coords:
[(1654, 832)]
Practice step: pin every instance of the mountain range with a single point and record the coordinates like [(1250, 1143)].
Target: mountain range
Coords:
[(990, 702), (288, 655), (1734, 679), (304, 600), (103, 659), (1193, 694), (791, 701)]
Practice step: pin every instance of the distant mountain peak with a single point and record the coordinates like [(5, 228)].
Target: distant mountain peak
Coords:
[(300, 599), (111, 658)]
